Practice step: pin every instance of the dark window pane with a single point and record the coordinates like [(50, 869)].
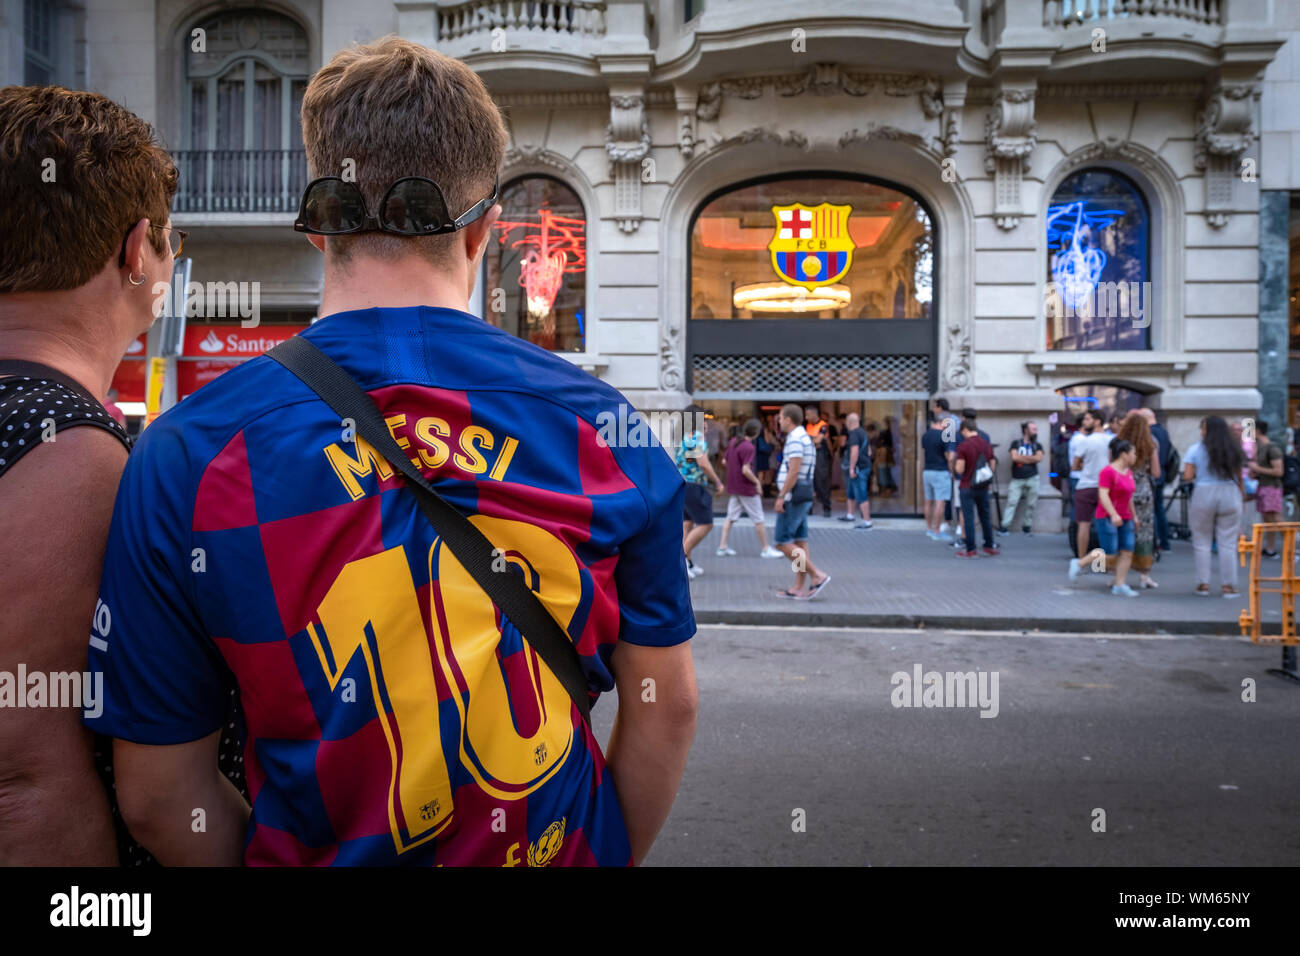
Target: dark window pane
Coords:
[(1098, 292), (535, 268)]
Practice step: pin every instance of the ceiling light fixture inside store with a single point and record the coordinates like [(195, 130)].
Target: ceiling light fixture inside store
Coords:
[(778, 297)]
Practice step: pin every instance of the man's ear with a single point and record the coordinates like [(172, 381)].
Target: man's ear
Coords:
[(478, 232)]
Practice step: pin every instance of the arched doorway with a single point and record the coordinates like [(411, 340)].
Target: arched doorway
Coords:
[(818, 288)]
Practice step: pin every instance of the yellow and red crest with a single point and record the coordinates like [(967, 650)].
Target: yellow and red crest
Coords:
[(812, 246)]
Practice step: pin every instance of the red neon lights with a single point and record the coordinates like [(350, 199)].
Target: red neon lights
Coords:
[(555, 245)]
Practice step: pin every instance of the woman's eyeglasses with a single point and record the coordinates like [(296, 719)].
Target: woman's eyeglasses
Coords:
[(413, 206), (175, 241)]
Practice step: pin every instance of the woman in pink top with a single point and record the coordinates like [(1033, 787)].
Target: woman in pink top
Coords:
[(1116, 524)]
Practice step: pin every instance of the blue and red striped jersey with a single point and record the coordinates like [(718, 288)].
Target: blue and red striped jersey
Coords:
[(393, 716)]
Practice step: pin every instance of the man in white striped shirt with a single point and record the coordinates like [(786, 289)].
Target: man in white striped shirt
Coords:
[(794, 501)]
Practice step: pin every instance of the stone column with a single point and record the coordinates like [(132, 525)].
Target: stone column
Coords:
[(1274, 324)]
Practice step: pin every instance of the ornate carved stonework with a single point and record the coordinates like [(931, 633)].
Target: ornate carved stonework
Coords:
[(760, 134), (671, 373), (687, 102), (884, 131), (1010, 136), (531, 154), (627, 143), (956, 374), (1224, 131), (823, 79), (1112, 148)]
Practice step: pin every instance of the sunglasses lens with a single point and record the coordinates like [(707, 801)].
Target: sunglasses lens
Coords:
[(414, 208), (334, 206)]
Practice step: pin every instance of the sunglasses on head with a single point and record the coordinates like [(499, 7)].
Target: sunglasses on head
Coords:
[(413, 206)]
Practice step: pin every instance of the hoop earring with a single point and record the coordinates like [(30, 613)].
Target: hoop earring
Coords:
[(131, 279)]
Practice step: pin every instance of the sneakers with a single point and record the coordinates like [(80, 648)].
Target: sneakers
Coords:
[(994, 551), (944, 528), (693, 570), (1029, 532), (846, 518), (943, 536), (1073, 573), (963, 553), (770, 552), (1268, 554), (931, 535), (863, 524), (1003, 531), (1230, 592), (726, 552), (1202, 590), (1122, 590)]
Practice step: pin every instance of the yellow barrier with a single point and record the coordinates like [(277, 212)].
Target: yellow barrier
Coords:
[(1286, 586)]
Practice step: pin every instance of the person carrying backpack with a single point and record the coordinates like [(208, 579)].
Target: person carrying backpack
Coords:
[(974, 466)]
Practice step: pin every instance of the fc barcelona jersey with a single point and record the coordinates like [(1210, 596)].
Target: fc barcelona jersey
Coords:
[(393, 716)]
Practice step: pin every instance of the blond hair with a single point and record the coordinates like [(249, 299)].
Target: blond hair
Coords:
[(395, 108)]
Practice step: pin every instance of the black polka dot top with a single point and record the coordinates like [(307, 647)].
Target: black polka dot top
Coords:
[(37, 403)]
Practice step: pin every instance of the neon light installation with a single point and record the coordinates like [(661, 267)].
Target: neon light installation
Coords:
[(1078, 263), (552, 246)]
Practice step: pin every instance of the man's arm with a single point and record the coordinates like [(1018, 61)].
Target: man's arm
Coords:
[(57, 504), (853, 461), (651, 739), (164, 791), (793, 464), (707, 467)]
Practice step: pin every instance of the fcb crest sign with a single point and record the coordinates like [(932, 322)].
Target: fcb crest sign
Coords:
[(812, 246)]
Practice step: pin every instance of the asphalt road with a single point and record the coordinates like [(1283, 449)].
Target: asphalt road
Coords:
[(1152, 730)]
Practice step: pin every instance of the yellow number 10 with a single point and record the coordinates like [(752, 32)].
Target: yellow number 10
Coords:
[(372, 608)]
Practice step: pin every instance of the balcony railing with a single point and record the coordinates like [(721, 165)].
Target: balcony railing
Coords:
[(579, 18), (1065, 13), (240, 180)]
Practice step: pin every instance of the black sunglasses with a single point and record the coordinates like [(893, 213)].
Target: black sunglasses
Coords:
[(413, 206)]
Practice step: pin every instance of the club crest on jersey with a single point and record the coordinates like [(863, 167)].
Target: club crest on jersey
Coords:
[(545, 848), (812, 246)]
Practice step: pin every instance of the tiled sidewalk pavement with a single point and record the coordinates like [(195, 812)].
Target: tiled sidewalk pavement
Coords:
[(894, 576)]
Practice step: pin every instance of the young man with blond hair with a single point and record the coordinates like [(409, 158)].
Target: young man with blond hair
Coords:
[(394, 714)]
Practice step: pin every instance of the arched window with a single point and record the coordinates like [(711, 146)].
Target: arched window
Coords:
[(812, 247), (245, 82), (1098, 291), (535, 267)]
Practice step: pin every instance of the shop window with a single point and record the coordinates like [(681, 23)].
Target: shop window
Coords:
[(812, 247), (1098, 289), (535, 267)]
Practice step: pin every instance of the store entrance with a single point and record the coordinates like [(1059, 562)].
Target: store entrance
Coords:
[(894, 427)]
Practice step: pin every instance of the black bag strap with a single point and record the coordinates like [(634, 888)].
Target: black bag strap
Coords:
[(468, 544)]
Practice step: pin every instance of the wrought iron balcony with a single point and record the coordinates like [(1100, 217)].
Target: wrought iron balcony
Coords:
[(240, 180)]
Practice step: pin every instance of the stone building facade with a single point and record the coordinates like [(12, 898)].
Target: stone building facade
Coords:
[(1050, 203)]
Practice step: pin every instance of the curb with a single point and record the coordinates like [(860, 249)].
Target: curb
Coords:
[(813, 618)]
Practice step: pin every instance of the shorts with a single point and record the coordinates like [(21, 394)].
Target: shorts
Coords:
[(1113, 539), (751, 505), (938, 485), (1085, 505), (792, 523), (1268, 500), (699, 504), (856, 488)]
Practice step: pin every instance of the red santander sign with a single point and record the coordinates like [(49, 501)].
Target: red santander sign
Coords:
[(234, 341)]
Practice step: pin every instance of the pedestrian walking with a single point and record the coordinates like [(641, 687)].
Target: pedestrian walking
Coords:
[(697, 471), (1025, 458), (857, 473), (745, 492), (1214, 464), (974, 465), (1145, 469), (936, 478), (1167, 455), (1114, 515), (820, 432), (1090, 457), (952, 435), (793, 503), (1267, 467)]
